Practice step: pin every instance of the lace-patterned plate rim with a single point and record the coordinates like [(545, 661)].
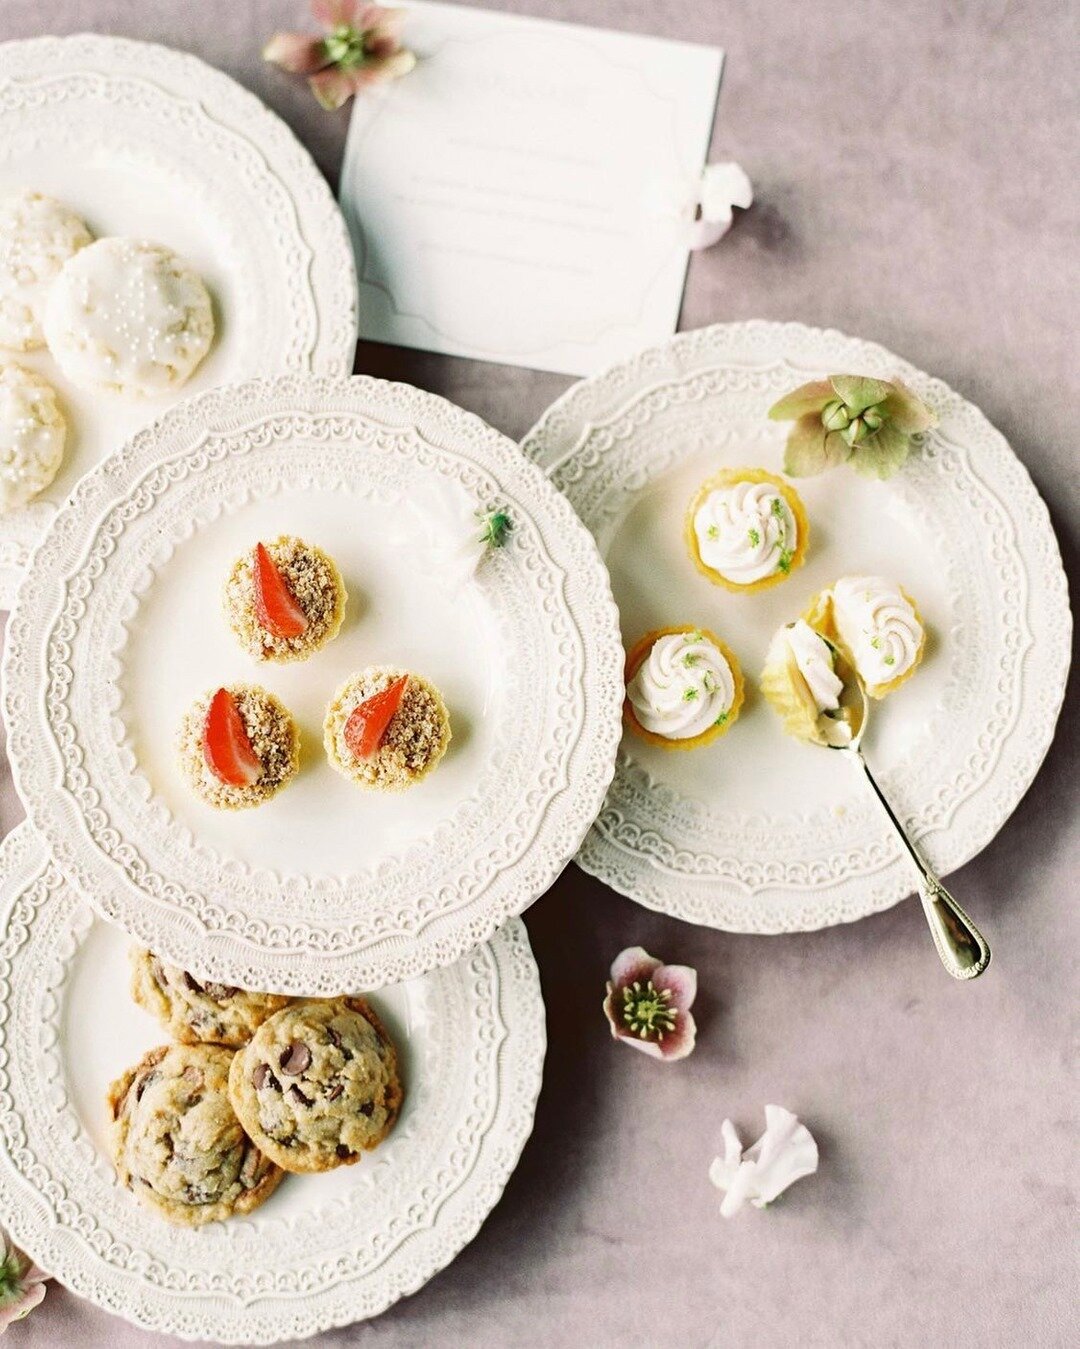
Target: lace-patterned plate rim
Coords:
[(640, 845), (180, 909), (314, 1257), (276, 194)]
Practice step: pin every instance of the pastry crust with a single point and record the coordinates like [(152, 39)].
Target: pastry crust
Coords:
[(728, 477), (634, 659), (177, 1143), (273, 736), (415, 739), (785, 689), (819, 614), (314, 582), (198, 1011), (318, 1084)]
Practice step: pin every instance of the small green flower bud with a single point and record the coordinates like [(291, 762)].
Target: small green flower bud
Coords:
[(855, 431), (835, 416), (873, 419)]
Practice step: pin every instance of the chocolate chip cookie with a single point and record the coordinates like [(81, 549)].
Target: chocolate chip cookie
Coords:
[(318, 1084), (194, 1010), (176, 1140)]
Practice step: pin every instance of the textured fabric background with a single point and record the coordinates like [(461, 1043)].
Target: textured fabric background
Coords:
[(912, 166)]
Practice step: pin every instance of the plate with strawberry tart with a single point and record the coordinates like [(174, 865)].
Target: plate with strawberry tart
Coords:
[(332, 684)]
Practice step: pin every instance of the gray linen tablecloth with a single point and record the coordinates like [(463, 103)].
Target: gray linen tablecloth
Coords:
[(911, 161)]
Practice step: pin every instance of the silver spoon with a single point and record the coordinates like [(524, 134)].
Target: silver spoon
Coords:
[(960, 944)]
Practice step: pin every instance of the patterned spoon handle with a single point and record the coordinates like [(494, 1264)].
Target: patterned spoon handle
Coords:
[(960, 944)]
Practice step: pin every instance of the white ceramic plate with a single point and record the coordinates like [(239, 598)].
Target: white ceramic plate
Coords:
[(153, 143), (323, 1250), (759, 833), (327, 886)]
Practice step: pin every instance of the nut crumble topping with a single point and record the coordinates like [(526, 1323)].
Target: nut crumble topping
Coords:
[(314, 582)]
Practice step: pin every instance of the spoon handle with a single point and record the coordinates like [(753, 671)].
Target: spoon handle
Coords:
[(960, 944)]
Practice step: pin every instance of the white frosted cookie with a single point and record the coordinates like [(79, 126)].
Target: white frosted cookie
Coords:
[(128, 316), (37, 236), (32, 431)]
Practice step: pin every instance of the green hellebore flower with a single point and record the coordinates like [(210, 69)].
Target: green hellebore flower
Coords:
[(851, 417)]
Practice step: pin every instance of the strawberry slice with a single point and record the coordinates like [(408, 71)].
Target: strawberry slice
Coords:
[(368, 721), (275, 605), (226, 746)]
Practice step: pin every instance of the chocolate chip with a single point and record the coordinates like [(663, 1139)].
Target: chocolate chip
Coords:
[(262, 1077), (298, 1095), (191, 1074), (192, 983), (249, 1172), (335, 1092), (333, 1037), (367, 1108), (295, 1058), (343, 1151), (143, 1083)]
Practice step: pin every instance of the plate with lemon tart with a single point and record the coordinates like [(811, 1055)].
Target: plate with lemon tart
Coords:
[(943, 588)]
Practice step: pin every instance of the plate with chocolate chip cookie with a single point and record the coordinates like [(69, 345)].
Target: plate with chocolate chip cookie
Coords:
[(237, 1167), (334, 685)]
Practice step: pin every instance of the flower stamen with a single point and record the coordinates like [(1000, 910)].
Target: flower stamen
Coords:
[(646, 1010)]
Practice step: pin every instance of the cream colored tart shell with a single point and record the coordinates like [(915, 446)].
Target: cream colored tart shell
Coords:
[(728, 477), (819, 615), (637, 655), (239, 605), (341, 708)]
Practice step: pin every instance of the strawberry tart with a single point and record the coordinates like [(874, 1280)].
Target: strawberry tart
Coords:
[(284, 599), (238, 747), (386, 728)]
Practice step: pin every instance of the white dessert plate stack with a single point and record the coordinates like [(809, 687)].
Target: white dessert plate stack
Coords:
[(326, 889)]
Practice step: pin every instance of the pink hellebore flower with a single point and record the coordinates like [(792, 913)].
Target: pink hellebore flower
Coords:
[(648, 1004), (22, 1284), (362, 46)]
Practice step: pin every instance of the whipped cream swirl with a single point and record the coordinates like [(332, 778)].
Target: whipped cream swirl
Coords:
[(814, 659), (682, 687), (746, 532), (878, 626)]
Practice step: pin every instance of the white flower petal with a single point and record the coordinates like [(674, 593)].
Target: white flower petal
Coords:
[(722, 187), (439, 528), (704, 233), (784, 1153)]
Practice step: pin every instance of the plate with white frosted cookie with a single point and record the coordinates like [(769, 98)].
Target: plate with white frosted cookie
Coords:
[(334, 684), (786, 512), (239, 1167), (161, 231)]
